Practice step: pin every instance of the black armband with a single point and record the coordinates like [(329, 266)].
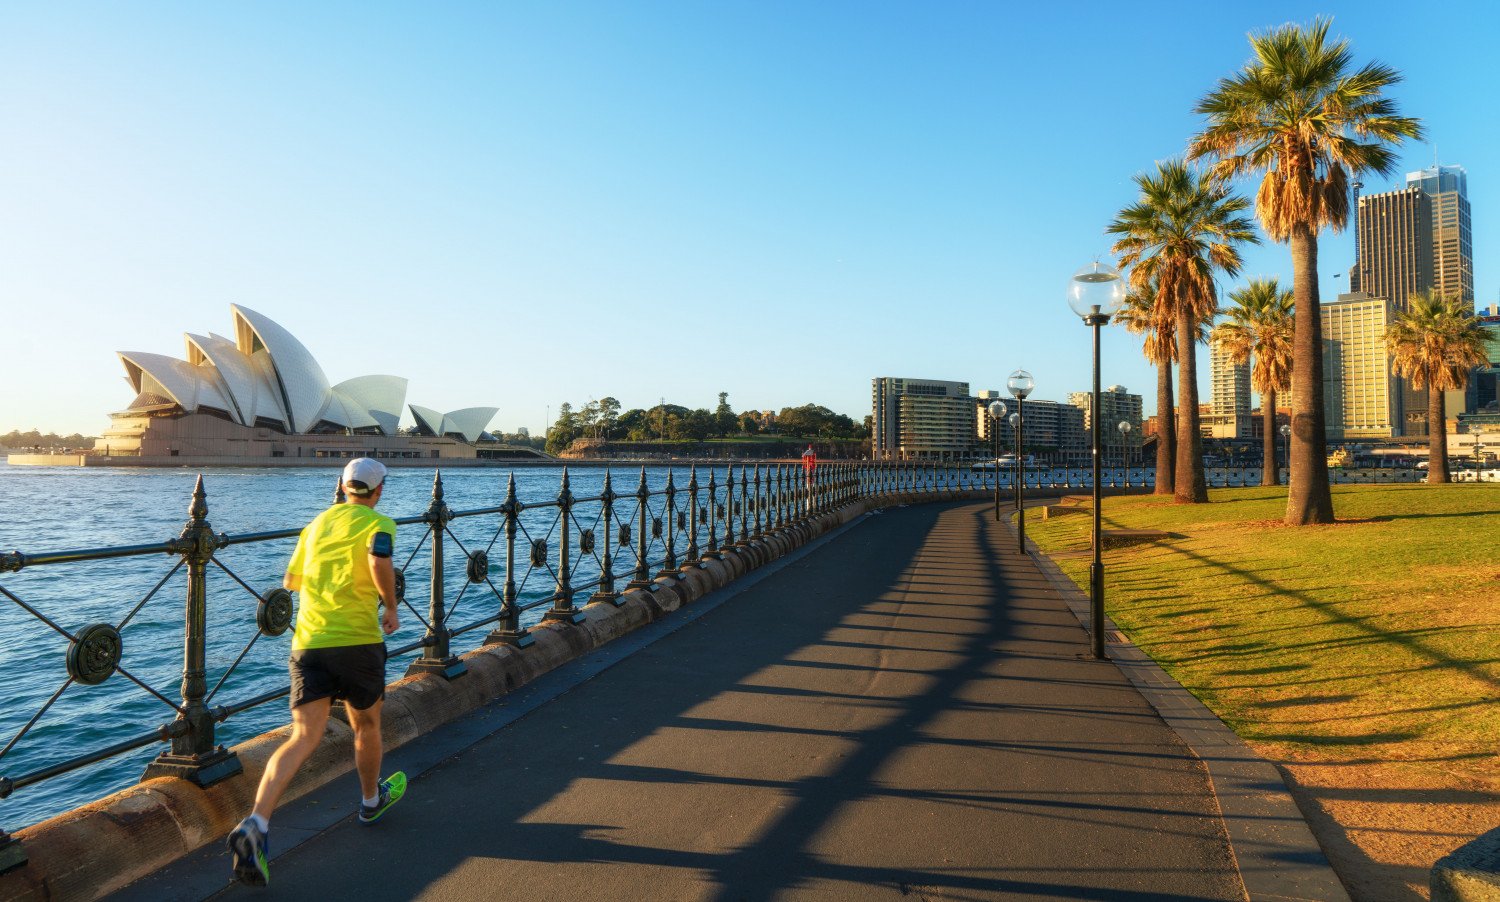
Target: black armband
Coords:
[(381, 545)]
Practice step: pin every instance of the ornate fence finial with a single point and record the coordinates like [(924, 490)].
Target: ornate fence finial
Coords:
[(198, 507)]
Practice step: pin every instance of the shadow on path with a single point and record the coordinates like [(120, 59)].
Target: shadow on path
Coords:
[(905, 712)]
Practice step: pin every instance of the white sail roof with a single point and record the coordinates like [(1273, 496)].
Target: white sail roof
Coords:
[(304, 388), (190, 386), (265, 374)]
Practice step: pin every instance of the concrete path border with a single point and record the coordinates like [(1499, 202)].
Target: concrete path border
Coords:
[(1277, 854)]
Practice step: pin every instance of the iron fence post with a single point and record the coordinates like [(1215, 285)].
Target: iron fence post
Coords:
[(642, 568), (669, 525), (744, 505), (437, 657), (562, 604), (509, 630), (758, 532), (12, 853), (693, 555), (729, 507), (780, 496), (194, 756), (713, 514), (606, 591)]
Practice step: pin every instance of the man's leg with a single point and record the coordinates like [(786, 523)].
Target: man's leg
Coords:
[(367, 747), (308, 723)]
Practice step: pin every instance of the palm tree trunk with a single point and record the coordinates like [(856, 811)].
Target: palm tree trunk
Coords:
[(1270, 471), (1437, 437), (1166, 431), (1308, 498), (1190, 485)]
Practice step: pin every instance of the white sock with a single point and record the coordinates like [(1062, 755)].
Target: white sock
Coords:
[(372, 801), (261, 823)]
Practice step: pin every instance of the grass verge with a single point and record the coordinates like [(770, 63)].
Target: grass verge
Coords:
[(1363, 656)]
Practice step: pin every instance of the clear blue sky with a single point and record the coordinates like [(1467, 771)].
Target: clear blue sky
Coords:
[(518, 204)]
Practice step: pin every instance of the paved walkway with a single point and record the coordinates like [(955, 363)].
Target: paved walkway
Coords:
[(906, 712)]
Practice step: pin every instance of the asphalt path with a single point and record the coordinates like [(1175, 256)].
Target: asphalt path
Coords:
[(908, 712)]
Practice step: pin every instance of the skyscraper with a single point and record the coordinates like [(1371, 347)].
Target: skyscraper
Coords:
[(1229, 398), (1395, 260), (1395, 244), (1452, 237)]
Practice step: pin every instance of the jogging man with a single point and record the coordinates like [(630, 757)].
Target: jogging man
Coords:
[(342, 568)]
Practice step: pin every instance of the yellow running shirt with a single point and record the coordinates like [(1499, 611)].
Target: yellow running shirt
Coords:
[(339, 603)]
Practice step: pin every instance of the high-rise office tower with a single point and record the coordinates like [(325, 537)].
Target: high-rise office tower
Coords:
[(1395, 244), (1117, 404), (1229, 397), (1396, 260), (1360, 394), (1452, 237)]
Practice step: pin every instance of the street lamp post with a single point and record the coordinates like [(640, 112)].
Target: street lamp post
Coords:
[(1124, 428), (1020, 385), (997, 412), (1286, 439), (1096, 293), (1015, 422)]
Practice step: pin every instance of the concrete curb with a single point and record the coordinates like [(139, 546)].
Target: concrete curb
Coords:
[(1276, 853), (101, 847), (1470, 873)]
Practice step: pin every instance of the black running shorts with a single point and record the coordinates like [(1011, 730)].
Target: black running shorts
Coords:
[(350, 673)]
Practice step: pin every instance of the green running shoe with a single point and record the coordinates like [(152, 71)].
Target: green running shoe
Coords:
[(392, 788), (250, 845)]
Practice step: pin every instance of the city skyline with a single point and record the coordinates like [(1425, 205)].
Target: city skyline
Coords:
[(502, 198)]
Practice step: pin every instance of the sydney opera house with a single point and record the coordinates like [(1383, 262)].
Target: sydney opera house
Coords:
[(261, 397)]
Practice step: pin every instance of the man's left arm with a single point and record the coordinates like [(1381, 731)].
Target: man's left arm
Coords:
[(383, 572)]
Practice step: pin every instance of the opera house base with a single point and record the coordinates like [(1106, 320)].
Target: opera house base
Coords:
[(203, 440), (524, 457)]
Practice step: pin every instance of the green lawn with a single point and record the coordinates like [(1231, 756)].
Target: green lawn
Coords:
[(1376, 638)]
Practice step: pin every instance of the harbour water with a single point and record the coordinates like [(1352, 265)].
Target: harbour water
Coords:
[(48, 510)]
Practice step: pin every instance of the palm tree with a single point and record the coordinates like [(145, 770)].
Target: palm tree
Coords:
[(1161, 350), (1185, 227), (1260, 328), (1300, 114), (1435, 342)]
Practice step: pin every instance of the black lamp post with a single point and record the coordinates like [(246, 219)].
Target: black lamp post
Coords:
[(997, 412), (1015, 422), (1020, 385), (1286, 453), (1096, 293), (1124, 429)]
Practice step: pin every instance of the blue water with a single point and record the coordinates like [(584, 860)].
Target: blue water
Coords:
[(46, 510)]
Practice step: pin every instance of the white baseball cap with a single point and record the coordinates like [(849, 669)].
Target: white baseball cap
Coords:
[(366, 471)]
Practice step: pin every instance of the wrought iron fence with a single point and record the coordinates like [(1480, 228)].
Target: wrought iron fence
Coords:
[(569, 546)]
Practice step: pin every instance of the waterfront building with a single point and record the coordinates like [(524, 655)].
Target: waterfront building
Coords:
[(1229, 396), (1452, 236), (1484, 382), (1362, 399), (262, 395), (921, 419), (1116, 404)]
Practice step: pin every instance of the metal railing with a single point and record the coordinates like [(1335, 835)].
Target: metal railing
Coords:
[(553, 551)]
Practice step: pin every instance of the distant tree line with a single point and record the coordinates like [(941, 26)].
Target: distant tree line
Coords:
[(602, 420), (35, 439)]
